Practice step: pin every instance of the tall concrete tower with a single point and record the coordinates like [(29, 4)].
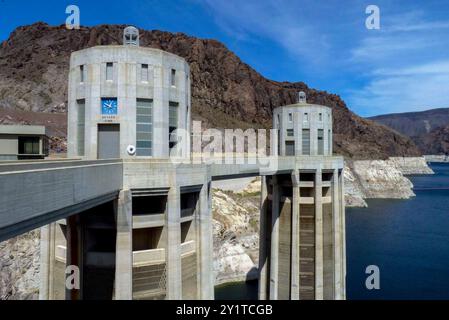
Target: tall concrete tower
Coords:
[(302, 238), (126, 101)]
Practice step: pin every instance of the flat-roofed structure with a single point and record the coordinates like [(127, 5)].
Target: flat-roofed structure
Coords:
[(19, 142)]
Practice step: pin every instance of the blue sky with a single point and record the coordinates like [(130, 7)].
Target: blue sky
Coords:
[(402, 67)]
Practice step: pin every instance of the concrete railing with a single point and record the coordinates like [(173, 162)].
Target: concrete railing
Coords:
[(148, 257), (188, 247), (148, 221), (61, 253)]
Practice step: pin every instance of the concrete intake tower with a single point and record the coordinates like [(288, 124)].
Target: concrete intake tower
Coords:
[(139, 226)]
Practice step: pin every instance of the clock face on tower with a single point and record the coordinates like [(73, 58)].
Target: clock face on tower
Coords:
[(109, 106)]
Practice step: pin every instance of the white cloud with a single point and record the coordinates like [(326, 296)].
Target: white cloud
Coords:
[(402, 93), (278, 21), (405, 66), (433, 68)]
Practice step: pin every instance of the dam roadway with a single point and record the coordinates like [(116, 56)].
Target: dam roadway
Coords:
[(36, 193)]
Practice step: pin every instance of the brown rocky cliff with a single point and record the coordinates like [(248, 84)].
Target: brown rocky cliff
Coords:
[(226, 93)]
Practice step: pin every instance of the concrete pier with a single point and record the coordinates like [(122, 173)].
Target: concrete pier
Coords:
[(124, 257)]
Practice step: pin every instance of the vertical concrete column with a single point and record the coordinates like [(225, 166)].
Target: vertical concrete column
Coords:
[(297, 128), (295, 268), (336, 224), (124, 247), (47, 258), (343, 231), (319, 268), (206, 244), (274, 261), (93, 100), (173, 251), (282, 132), (127, 100), (274, 137), (262, 240), (160, 113), (72, 116)]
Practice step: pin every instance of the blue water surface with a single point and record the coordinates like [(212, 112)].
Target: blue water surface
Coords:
[(407, 239)]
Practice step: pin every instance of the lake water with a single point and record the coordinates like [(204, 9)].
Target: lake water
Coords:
[(407, 239)]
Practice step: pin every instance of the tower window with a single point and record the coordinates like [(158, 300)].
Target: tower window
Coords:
[(320, 116), (81, 74), (144, 73), (320, 142), (172, 122), (305, 141), (289, 148), (81, 104), (173, 77), (290, 117), (306, 116), (144, 127), (290, 132), (109, 71)]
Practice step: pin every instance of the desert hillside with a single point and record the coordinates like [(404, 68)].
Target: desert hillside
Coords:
[(226, 92), (428, 129)]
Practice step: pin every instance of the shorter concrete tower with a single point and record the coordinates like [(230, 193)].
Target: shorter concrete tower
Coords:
[(302, 220), (304, 129)]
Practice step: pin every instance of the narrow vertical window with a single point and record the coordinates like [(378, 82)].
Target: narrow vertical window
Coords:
[(109, 71), (290, 117), (144, 73), (173, 77), (320, 141), (172, 122), (306, 142), (306, 116), (320, 115), (82, 74), (144, 127), (81, 108), (289, 148)]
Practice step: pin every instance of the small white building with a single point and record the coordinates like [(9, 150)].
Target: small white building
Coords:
[(20, 142)]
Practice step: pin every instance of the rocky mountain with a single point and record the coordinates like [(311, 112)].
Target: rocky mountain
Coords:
[(435, 142), (226, 92), (428, 129)]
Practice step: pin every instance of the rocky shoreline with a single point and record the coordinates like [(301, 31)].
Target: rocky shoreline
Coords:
[(381, 179), (437, 158)]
